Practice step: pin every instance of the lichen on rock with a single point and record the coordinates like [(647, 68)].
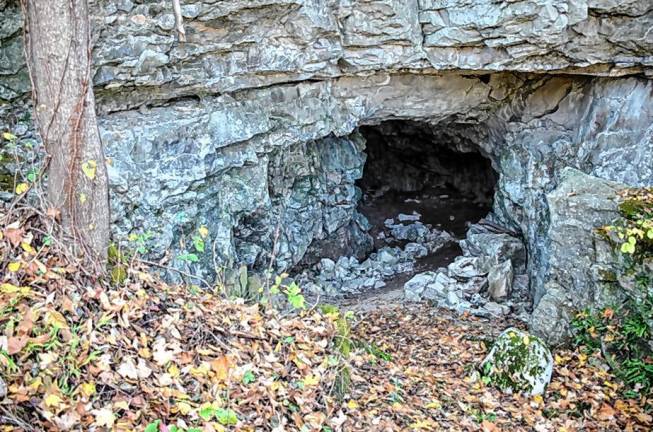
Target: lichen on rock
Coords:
[(518, 363)]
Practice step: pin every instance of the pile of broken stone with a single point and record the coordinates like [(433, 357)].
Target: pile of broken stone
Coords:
[(406, 241), (487, 280)]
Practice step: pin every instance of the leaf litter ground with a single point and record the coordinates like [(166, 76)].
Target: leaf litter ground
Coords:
[(77, 353), (429, 382)]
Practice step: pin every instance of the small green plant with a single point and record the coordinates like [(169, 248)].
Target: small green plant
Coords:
[(343, 330), (199, 246), (632, 233), (118, 264), (18, 164), (248, 377), (153, 427), (224, 416), (139, 241), (188, 257), (588, 326), (622, 337), (624, 332), (292, 292), (343, 344)]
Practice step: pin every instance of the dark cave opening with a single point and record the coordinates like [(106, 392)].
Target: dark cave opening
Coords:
[(421, 190), (434, 175)]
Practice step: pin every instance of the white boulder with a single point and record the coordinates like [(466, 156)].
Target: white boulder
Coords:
[(518, 362)]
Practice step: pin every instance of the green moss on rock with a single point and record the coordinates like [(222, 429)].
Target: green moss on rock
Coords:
[(518, 362)]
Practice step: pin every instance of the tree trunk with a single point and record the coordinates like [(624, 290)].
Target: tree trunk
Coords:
[(58, 49)]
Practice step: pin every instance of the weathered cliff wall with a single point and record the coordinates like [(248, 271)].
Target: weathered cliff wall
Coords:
[(250, 126)]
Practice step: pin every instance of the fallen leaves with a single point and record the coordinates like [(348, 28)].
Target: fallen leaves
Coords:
[(79, 354), (426, 381), (104, 417)]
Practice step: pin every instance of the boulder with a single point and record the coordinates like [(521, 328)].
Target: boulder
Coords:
[(430, 286), (499, 246), (518, 362), (473, 285), (496, 309), (468, 267), (580, 261), (415, 287), (500, 280)]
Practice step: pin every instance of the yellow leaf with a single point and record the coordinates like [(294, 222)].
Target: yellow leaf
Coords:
[(422, 424), (352, 404), (52, 400), (311, 380), (434, 405), (88, 389), (21, 188), (82, 198), (104, 417), (526, 340), (184, 408), (14, 266), (611, 385), (34, 385), (8, 288), (123, 405), (8, 136), (200, 371), (173, 370), (55, 319), (538, 399), (221, 367), (89, 167), (204, 231), (28, 248)]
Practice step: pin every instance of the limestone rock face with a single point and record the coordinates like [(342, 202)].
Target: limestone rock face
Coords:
[(250, 127), (518, 362), (580, 260), (252, 43)]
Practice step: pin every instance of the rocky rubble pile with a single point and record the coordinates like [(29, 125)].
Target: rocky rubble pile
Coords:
[(406, 240), (488, 279)]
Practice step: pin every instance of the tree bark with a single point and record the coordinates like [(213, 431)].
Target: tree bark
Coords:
[(58, 50), (179, 20)]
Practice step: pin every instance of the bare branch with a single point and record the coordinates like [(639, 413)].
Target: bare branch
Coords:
[(179, 20)]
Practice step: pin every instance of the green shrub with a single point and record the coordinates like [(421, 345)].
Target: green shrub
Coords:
[(624, 332)]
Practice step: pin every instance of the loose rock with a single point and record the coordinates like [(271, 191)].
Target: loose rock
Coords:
[(518, 362)]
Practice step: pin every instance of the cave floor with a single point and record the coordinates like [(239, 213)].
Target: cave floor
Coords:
[(415, 369), (441, 208)]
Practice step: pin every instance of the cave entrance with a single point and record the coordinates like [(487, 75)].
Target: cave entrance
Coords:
[(421, 190), (417, 174)]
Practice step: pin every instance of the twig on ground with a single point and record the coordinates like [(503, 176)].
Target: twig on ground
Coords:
[(181, 272)]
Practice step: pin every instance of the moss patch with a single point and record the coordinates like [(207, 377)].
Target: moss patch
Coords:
[(518, 362)]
